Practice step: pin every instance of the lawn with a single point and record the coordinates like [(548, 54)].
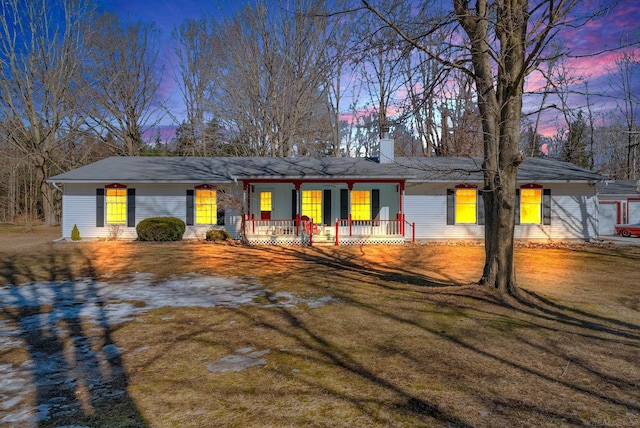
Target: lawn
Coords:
[(403, 337)]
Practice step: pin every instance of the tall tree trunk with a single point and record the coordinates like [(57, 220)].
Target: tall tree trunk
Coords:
[(47, 193), (500, 106)]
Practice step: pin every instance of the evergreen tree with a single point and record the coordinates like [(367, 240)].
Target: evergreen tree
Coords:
[(575, 147)]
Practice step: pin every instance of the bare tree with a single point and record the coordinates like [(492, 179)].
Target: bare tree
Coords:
[(423, 75), (460, 117), (627, 72), (197, 51), (503, 42), (270, 77), (339, 62), (125, 79), (41, 52), (379, 61)]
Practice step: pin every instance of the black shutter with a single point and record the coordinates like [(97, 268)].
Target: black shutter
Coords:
[(480, 207), (451, 206), (344, 204), (220, 210), (375, 204), (190, 211), (326, 207), (546, 206), (517, 207), (99, 207), (131, 207), (294, 204)]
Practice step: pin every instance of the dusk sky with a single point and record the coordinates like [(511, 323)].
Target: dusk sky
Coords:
[(621, 21)]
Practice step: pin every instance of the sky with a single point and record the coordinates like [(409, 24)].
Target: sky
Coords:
[(607, 32)]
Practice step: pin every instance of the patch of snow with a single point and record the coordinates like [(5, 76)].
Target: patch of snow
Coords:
[(287, 300), (238, 362), (104, 304)]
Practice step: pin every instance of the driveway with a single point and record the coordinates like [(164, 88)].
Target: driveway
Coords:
[(631, 241)]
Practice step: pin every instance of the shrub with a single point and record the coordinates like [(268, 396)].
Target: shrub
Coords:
[(216, 235), (160, 229), (115, 231), (75, 233)]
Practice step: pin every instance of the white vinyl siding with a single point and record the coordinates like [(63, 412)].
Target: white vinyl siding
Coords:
[(634, 212), (426, 205), (573, 209), (607, 218), (152, 200), (573, 214)]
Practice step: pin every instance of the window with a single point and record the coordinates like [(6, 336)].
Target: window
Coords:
[(265, 205), (116, 201), (265, 201), (466, 205), (360, 205), (530, 206), (206, 206), (312, 205)]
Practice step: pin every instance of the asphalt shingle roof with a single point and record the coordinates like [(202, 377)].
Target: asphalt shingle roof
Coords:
[(221, 170), (619, 187)]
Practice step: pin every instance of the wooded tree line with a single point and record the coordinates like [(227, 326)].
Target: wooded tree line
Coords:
[(315, 78)]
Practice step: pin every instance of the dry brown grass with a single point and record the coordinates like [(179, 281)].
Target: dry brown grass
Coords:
[(410, 342)]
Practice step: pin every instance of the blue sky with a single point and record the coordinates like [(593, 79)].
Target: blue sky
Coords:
[(167, 13)]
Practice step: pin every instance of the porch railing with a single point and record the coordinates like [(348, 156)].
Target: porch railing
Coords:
[(304, 229), (272, 227)]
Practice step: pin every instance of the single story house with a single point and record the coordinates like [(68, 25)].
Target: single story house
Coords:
[(618, 203), (339, 201)]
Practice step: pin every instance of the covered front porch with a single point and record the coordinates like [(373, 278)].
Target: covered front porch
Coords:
[(329, 212)]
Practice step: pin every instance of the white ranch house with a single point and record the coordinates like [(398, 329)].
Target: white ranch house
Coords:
[(338, 201)]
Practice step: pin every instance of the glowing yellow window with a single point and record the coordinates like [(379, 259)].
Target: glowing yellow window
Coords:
[(312, 205), (360, 205), (466, 205), (206, 206), (531, 206), (265, 201), (116, 206)]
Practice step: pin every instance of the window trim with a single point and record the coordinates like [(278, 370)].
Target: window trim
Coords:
[(265, 214), (213, 215), (466, 186), (316, 204), (122, 218), (540, 203), (363, 206)]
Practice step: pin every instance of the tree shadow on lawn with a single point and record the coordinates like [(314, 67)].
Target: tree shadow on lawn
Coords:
[(325, 351), (95, 383), (387, 277), (351, 262), (577, 317), (74, 369), (616, 338)]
